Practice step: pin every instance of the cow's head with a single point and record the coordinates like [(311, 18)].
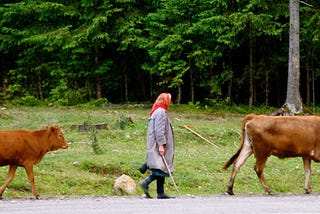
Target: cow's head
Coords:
[(56, 138)]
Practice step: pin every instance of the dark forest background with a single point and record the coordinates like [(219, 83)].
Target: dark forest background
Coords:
[(120, 51)]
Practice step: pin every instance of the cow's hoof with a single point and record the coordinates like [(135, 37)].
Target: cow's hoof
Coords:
[(308, 192), (230, 192)]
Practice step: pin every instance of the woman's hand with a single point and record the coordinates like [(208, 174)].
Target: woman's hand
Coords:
[(161, 150)]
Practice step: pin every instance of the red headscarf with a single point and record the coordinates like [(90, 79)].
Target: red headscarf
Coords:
[(163, 101)]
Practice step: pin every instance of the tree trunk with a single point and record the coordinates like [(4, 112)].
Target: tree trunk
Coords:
[(191, 82), (143, 85), (97, 58), (4, 75), (125, 78), (313, 91), (230, 82), (38, 73), (97, 61), (251, 72), (192, 88), (40, 87), (267, 88), (293, 104), (178, 99), (308, 81), (230, 89), (99, 88)]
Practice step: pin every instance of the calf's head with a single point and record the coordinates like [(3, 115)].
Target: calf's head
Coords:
[(56, 138)]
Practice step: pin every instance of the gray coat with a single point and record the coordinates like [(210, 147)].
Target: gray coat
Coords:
[(160, 133)]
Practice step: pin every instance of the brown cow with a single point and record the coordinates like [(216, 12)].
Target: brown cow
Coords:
[(26, 148), (288, 136)]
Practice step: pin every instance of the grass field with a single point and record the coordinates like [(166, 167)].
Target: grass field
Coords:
[(198, 165)]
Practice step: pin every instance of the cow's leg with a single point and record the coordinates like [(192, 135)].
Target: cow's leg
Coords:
[(259, 168), (29, 171), (307, 173), (246, 151), (11, 173)]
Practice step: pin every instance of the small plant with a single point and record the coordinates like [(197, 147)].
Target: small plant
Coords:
[(94, 139), (95, 146), (125, 122)]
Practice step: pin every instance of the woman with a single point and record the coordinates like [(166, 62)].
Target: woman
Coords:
[(160, 144)]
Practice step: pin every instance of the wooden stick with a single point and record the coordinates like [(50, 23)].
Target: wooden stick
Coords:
[(174, 184), (197, 134)]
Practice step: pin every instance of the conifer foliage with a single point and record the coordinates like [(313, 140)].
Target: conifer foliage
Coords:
[(74, 51)]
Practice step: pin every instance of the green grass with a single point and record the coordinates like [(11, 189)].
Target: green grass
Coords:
[(198, 165)]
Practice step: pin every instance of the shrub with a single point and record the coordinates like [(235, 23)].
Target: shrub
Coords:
[(98, 102), (27, 100), (63, 95)]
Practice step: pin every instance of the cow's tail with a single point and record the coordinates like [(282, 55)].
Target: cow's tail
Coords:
[(232, 159), (236, 155)]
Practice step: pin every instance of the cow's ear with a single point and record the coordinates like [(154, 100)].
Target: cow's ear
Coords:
[(53, 128)]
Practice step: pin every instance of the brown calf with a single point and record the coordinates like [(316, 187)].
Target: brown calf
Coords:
[(26, 148)]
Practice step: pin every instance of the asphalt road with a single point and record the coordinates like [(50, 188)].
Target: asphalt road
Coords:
[(183, 204)]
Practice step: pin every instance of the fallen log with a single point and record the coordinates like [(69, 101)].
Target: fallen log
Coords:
[(85, 127)]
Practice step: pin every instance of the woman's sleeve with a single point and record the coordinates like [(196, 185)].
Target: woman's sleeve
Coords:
[(160, 127)]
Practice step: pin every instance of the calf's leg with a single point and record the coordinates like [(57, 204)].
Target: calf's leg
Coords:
[(307, 173), (11, 173), (29, 171)]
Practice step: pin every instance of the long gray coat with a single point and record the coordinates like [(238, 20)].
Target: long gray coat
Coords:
[(160, 133)]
